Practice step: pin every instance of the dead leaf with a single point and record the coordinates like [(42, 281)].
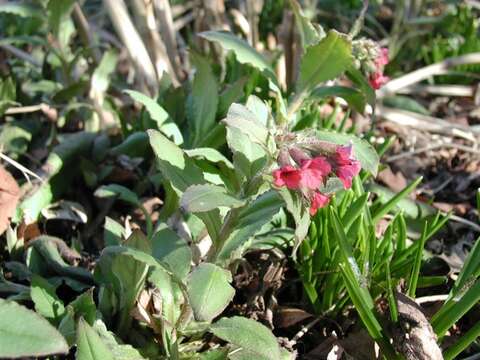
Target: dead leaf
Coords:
[(460, 208), (395, 181), (286, 317), (9, 196)]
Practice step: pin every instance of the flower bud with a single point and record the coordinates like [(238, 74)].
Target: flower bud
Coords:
[(283, 158), (298, 155)]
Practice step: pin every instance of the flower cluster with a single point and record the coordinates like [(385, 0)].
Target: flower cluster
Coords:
[(310, 174), (371, 59), (377, 79)]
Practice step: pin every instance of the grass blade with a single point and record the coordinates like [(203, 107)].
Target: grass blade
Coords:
[(391, 298), (470, 336), (454, 309), (357, 290), (412, 283), (389, 205)]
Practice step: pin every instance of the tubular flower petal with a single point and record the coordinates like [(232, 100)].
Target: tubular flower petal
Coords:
[(377, 80), (287, 176), (346, 166), (319, 200), (313, 172)]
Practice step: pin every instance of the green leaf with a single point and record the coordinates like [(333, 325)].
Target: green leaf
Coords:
[(15, 137), (252, 339), (157, 113), (295, 206), (217, 354), (405, 103), (89, 344), (359, 80), (67, 326), (113, 233), (325, 61), (45, 299), (100, 77), (308, 33), (124, 270), (209, 291), (469, 272), (137, 240), (362, 150), (171, 249), (174, 164), (353, 97), (251, 219), (357, 288), (46, 249), (23, 333), (117, 191), (206, 197), (59, 20), (395, 200), (70, 149), (203, 101), (241, 118), (22, 10), (211, 155), (243, 51), (135, 145), (259, 108), (119, 351), (232, 93), (171, 296), (249, 158), (84, 306)]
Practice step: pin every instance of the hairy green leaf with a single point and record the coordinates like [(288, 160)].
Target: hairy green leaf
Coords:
[(23, 333)]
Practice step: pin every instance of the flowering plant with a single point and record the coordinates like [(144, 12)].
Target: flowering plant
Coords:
[(311, 174)]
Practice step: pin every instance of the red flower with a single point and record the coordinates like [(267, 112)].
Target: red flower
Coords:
[(383, 58), (287, 176), (319, 200), (377, 80), (346, 167), (313, 172)]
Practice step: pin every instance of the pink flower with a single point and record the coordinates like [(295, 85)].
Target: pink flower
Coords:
[(383, 58), (319, 200), (313, 172), (287, 176), (346, 166), (377, 80)]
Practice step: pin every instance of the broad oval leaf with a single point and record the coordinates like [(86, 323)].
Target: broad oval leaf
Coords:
[(203, 101), (46, 301), (178, 168), (352, 96), (206, 197), (23, 333), (171, 249), (114, 190), (209, 291), (241, 118), (325, 60), (209, 154), (309, 34), (89, 344), (157, 113), (243, 51), (254, 340)]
